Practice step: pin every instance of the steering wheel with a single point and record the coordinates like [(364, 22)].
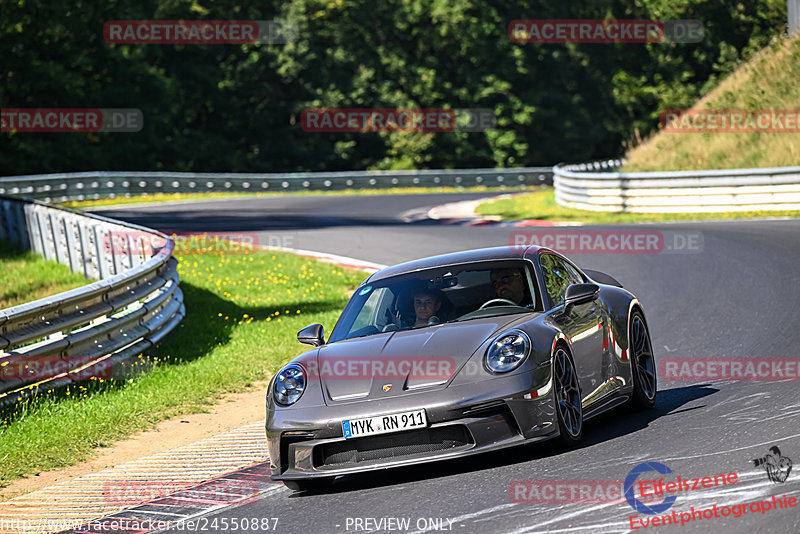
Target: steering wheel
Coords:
[(493, 302)]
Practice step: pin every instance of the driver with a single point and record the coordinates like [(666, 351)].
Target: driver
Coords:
[(426, 305), (508, 284)]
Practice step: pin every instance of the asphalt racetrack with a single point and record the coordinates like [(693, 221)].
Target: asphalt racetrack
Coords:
[(735, 297)]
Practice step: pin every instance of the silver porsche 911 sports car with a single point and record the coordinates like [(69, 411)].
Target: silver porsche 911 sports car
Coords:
[(455, 355)]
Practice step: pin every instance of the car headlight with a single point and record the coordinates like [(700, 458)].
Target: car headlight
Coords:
[(507, 351), (290, 382)]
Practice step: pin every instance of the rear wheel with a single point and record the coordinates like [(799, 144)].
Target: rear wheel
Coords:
[(568, 398), (643, 364)]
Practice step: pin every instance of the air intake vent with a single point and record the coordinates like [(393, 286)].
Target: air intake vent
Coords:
[(392, 446)]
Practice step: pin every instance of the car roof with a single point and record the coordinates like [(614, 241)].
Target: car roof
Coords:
[(455, 258)]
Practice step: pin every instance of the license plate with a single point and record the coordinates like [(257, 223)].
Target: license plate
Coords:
[(384, 424)]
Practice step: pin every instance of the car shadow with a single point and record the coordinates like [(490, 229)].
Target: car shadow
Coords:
[(598, 430)]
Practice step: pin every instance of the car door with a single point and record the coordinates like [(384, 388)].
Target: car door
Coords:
[(583, 323)]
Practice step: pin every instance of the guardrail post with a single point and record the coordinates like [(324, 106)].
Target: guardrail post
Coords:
[(60, 238), (100, 245), (14, 230), (74, 248), (32, 230), (49, 235), (88, 252)]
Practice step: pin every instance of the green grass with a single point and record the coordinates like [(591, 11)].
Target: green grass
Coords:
[(767, 82), (243, 313), (26, 276), (195, 197), (542, 205)]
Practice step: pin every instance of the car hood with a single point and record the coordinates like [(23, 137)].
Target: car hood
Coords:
[(401, 362)]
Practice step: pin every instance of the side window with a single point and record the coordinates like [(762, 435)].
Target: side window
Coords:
[(558, 275), (573, 272), (373, 308)]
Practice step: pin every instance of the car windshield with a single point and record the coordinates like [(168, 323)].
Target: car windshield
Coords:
[(427, 298)]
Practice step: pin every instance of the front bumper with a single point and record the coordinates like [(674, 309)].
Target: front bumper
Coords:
[(465, 419)]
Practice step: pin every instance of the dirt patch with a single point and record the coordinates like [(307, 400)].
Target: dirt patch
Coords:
[(233, 411)]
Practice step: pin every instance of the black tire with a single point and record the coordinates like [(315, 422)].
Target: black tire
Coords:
[(569, 411), (311, 485), (643, 364)]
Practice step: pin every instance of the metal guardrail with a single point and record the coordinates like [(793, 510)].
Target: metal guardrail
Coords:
[(95, 330), (108, 184), (597, 187)]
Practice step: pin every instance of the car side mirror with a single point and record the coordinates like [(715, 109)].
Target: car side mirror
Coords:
[(312, 335), (578, 293)]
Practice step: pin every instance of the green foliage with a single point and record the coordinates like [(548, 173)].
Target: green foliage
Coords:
[(237, 107), (767, 81), (243, 313), (27, 276)]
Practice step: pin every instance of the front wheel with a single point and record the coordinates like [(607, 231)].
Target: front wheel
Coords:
[(643, 364), (568, 398)]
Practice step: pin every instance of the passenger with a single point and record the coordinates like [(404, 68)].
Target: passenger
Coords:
[(426, 305), (508, 284)]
